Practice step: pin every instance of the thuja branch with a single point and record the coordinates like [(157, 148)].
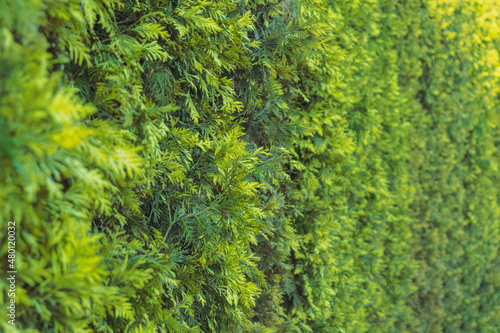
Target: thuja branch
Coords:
[(209, 208)]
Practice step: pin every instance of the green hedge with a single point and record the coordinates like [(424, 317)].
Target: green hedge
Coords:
[(251, 166)]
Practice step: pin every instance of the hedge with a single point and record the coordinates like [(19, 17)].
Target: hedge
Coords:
[(251, 166)]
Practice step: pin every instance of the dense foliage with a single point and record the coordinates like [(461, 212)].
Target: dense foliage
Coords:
[(252, 166)]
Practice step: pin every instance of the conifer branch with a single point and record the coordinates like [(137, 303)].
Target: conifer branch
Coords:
[(129, 20), (209, 208)]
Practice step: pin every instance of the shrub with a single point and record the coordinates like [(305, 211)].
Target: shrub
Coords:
[(252, 166)]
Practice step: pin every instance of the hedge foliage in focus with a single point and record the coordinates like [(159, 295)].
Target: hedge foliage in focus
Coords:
[(251, 166)]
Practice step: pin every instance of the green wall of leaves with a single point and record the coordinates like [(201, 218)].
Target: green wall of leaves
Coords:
[(251, 166)]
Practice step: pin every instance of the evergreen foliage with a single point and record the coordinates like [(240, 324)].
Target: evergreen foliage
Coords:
[(251, 166)]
